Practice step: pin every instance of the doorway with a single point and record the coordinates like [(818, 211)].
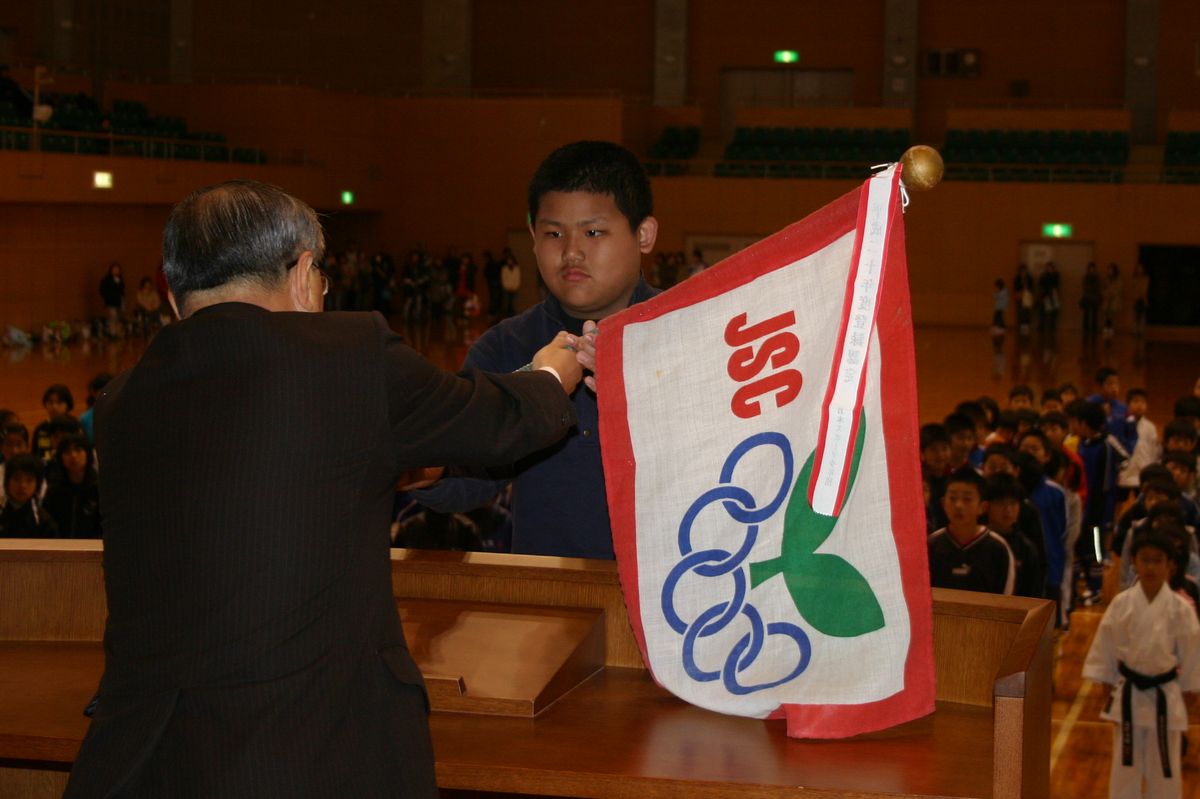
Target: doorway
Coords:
[(1174, 284)]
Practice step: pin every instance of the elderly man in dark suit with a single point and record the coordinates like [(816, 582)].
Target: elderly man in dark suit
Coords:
[(253, 646)]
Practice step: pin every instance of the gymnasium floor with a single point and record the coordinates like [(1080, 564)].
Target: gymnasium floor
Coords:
[(952, 364)]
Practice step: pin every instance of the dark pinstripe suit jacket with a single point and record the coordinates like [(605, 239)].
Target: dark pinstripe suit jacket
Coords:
[(253, 646)]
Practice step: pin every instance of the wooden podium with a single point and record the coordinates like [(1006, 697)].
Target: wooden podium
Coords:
[(538, 688)]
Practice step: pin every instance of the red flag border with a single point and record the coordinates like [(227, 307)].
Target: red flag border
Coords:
[(900, 429)]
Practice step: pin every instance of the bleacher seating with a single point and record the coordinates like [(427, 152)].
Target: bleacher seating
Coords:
[(79, 125), (1063, 156), (1181, 158), (814, 153), (675, 145), (863, 145)]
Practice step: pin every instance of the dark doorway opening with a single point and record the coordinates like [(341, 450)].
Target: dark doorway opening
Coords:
[(1174, 284)]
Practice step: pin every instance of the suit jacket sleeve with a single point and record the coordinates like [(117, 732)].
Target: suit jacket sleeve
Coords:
[(472, 418)]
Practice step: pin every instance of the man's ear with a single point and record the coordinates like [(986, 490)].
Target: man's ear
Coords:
[(300, 283), (647, 234)]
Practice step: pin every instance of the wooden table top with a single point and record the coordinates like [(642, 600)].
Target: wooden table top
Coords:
[(620, 735), (617, 735)]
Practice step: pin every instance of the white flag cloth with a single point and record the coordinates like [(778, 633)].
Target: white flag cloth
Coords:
[(759, 430)]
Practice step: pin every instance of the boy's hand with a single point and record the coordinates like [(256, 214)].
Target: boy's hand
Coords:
[(587, 352), (559, 355)]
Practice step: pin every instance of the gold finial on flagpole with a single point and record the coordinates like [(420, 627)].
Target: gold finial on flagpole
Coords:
[(923, 168)]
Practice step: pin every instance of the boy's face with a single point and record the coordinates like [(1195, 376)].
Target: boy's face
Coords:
[(963, 504), (1181, 474), (1020, 402), (590, 259), (1068, 397), (74, 459), (1003, 513), (1033, 445), (1051, 404), (1055, 433), (1138, 406), (1153, 568), (20, 487), (1153, 499), (998, 464), (961, 444), (55, 406), (936, 456), (12, 445), (1110, 389)]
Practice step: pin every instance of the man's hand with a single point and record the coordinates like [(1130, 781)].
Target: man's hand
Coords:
[(586, 354), (559, 355), (419, 478)]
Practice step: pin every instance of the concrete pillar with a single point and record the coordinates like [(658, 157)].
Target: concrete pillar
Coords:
[(670, 52), (446, 44), (1141, 68), (181, 42), (900, 53)]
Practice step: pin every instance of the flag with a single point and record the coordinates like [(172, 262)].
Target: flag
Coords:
[(759, 435)]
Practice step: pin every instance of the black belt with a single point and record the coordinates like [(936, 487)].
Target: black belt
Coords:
[(1144, 682)]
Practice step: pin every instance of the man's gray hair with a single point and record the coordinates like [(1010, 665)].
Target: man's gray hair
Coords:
[(239, 231)]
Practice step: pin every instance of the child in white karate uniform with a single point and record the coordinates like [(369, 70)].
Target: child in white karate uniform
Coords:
[(1148, 649)]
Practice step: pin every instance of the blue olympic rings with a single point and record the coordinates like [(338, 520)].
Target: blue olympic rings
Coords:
[(740, 505)]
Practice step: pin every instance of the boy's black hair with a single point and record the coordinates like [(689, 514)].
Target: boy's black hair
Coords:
[(1021, 391), (8, 416), (1165, 512), (1034, 432), (61, 392), (959, 423), (1003, 486), (1181, 542), (1006, 451), (1028, 417), (1182, 459), (1187, 406), (1155, 539), (23, 463), (597, 167), (1136, 392), (1051, 394), (967, 475), (1179, 428), (1007, 420), (933, 433), (991, 409), (98, 382), (1065, 387), (15, 429), (64, 423), (972, 410), (1088, 413), (1057, 418), (1103, 373), (1154, 471), (1167, 488)]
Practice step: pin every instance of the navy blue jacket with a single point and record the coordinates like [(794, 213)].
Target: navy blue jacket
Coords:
[(559, 504)]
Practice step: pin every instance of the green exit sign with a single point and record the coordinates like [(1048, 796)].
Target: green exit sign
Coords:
[(347, 198), (1057, 230), (786, 56)]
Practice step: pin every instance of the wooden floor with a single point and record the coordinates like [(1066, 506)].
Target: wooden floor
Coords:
[(952, 364)]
